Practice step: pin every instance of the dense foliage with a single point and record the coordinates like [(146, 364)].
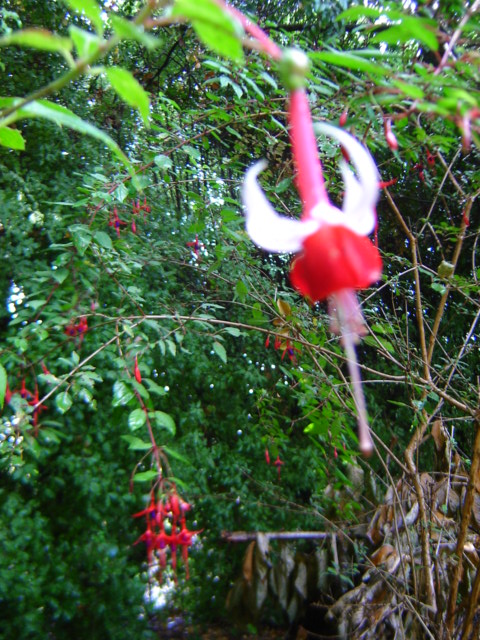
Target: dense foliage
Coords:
[(139, 358)]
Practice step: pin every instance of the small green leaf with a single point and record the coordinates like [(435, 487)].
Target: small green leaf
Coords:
[(37, 39), (36, 304), (164, 420), (103, 239), (241, 290), (233, 331), (192, 152), (214, 26), (3, 385), (219, 40), (153, 387), (220, 351), (283, 185), (86, 43), (128, 30), (406, 32), (60, 275), (388, 346), (12, 139), (163, 162), (130, 90), (81, 236), (136, 419), (174, 454), (136, 444), (145, 476), (63, 402), (359, 12), (349, 60), (438, 287), (91, 9), (122, 394)]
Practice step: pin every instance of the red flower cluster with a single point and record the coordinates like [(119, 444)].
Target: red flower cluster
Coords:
[(278, 463), (33, 399), (76, 329), (286, 347), (196, 245), (115, 222), (137, 207), (171, 511)]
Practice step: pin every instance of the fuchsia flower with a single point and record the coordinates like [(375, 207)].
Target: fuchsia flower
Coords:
[(196, 245), (333, 257)]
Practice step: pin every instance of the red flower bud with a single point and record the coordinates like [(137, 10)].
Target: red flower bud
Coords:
[(8, 394), (267, 456), (136, 372), (278, 463), (389, 135), (343, 118), (388, 183)]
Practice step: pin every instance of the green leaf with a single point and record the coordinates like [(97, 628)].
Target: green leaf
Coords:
[(373, 342), (37, 39), (36, 304), (164, 420), (91, 9), (233, 331), (214, 26), (81, 236), (64, 117), (3, 385), (153, 387), (122, 394), (145, 476), (222, 42), (163, 162), (349, 60), (86, 43), (60, 275), (438, 287), (103, 239), (128, 30), (136, 419), (63, 402), (136, 444), (407, 31), (130, 90), (409, 90), (12, 139), (192, 152), (174, 454), (220, 351), (359, 12)]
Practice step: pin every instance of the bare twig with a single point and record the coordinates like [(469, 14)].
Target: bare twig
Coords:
[(462, 537)]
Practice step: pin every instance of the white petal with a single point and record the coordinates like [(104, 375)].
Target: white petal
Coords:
[(361, 194), (359, 213), (265, 227)]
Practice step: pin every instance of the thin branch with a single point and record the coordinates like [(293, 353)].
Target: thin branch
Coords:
[(462, 534), (247, 536), (444, 298)]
